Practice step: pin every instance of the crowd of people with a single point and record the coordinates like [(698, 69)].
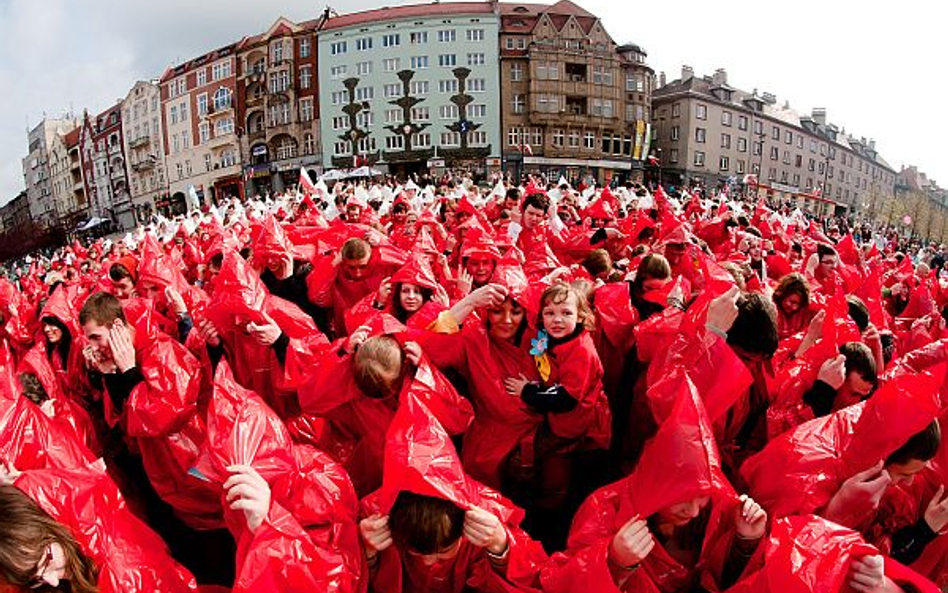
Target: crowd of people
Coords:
[(443, 387)]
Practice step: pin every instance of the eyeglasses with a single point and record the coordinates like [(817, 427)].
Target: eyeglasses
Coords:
[(41, 567)]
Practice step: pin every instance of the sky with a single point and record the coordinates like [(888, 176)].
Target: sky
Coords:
[(877, 68)]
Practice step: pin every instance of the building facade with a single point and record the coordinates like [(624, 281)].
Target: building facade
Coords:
[(574, 103), (15, 216), (143, 144), (36, 170), (202, 150), (709, 133), (105, 168), (411, 86), (65, 170), (278, 105)]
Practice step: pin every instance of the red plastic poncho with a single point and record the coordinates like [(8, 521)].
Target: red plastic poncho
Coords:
[(575, 365), (679, 464), (131, 557), (801, 470), (420, 458), (72, 376), (309, 541)]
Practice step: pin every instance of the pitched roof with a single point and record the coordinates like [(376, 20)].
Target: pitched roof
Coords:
[(406, 12)]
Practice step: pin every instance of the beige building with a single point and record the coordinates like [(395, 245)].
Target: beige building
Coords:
[(200, 141), (37, 175), (709, 133), (143, 137), (278, 104), (65, 176), (575, 103)]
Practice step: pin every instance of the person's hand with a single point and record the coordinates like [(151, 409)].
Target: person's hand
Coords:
[(385, 291), (833, 372), (815, 330), (484, 530), (863, 490), (175, 300), (120, 342), (361, 334), (373, 238), (490, 295), (868, 574), (465, 281), (750, 520), (247, 491), (632, 544), (376, 535), (265, 333), (515, 385), (936, 515), (48, 407), (8, 473), (723, 310), (441, 297), (208, 333), (614, 234), (413, 353), (873, 339)]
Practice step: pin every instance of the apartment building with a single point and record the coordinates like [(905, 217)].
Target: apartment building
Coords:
[(36, 169), (144, 148)]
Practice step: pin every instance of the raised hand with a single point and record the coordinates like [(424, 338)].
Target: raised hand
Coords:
[(247, 491), (376, 535), (484, 530), (120, 342), (632, 544), (750, 520)]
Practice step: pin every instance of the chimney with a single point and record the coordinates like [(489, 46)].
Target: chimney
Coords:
[(770, 98), (819, 115), (661, 79), (720, 77), (687, 73), (872, 144)]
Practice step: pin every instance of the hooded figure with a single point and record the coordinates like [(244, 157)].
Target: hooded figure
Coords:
[(421, 463), (65, 353), (410, 290)]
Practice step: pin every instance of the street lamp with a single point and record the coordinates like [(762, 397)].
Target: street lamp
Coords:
[(659, 151)]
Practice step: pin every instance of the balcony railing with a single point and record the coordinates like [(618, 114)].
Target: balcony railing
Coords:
[(140, 142)]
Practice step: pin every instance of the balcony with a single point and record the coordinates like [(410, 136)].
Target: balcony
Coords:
[(140, 142), (215, 113), (146, 164), (257, 74), (258, 134), (222, 141)]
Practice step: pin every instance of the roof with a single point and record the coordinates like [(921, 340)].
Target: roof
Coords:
[(392, 13), (175, 71), (72, 138)]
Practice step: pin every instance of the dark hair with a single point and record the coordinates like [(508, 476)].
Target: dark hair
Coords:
[(32, 388), (355, 249), (824, 249), (103, 308), (858, 312), (540, 201), (118, 272), (859, 359), (755, 328), (400, 313), (597, 262), (921, 446), (512, 194), (25, 532), (425, 524), (793, 283), (652, 266), (64, 343)]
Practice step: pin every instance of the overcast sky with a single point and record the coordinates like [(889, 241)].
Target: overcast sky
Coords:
[(879, 74)]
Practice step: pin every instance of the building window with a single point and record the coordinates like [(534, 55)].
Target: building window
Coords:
[(338, 97), (337, 72), (180, 169), (342, 148), (700, 135), (603, 76), (224, 127), (450, 138), (421, 113), (475, 59), (675, 132), (574, 139), (447, 36), (477, 138), (421, 140), (786, 157), (476, 85), (739, 169), (774, 153), (306, 109), (558, 138), (228, 158), (338, 48), (364, 68), (280, 82), (309, 144), (475, 35), (699, 159), (448, 112), (724, 164), (304, 47), (390, 64), (420, 87), (175, 144), (202, 77), (174, 114), (602, 107), (391, 40), (516, 72), (548, 71), (725, 140), (788, 137), (278, 52), (365, 93), (589, 140), (517, 104), (419, 62), (418, 37), (758, 148), (365, 43), (202, 104), (448, 86), (476, 111), (800, 141), (395, 142), (286, 149), (306, 77), (775, 133), (391, 90), (726, 118), (222, 99), (701, 111), (676, 109), (799, 161), (392, 116), (759, 128), (447, 60), (365, 119), (742, 123)]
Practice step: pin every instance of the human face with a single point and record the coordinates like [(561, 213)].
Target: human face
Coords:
[(352, 212), (682, 513), (674, 253), (98, 336), (411, 297), (902, 473), (123, 289), (462, 217), (560, 319), (827, 266), (505, 320), (152, 291), (854, 389), (791, 304), (356, 269), (533, 217), (480, 267), (51, 568), (511, 203), (53, 334), (431, 559)]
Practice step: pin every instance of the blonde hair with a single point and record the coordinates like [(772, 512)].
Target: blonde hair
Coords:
[(557, 293), (377, 365)]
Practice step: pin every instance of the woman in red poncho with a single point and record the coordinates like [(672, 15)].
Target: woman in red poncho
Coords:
[(63, 347), (792, 300), (673, 525), (412, 296), (69, 529), (432, 529)]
